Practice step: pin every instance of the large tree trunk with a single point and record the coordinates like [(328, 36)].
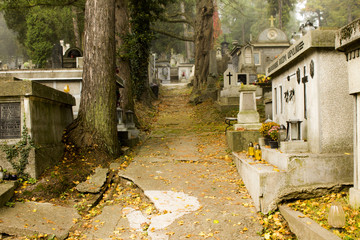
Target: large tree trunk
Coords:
[(96, 123), (122, 26), (203, 42)]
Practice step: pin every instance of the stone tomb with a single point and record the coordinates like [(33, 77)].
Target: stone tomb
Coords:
[(310, 97), (163, 71), (45, 112), (348, 41), (55, 78)]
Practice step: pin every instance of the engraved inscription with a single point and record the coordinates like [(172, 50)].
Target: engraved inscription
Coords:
[(10, 120)]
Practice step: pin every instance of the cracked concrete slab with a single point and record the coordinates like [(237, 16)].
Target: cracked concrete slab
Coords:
[(30, 218)]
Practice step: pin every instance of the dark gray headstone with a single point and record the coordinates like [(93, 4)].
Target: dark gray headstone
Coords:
[(57, 56)]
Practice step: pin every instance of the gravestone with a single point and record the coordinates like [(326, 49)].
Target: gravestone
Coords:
[(229, 95), (248, 117), (57, 56), (43, 111)]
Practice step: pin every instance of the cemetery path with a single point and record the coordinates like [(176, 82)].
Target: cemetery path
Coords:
[(187, 188), (184, 169)]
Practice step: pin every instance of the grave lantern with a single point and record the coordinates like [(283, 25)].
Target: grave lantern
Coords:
[(257, 152), (336, 218), (251, 150), (119, 113), (282, 133), (268, 120), (130, 119), (129, 116), (66, 88)]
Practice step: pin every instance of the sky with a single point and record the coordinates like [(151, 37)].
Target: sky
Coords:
[(300, 6)]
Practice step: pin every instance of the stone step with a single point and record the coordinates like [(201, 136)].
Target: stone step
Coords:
[(6, 191), (263, 181), (291, 176)]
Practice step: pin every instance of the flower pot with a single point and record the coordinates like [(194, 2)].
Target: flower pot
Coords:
[(267, 141), (274, 144)]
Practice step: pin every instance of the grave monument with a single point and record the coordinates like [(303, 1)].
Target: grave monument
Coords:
[(348, 42), (310, 98), (40, 110)]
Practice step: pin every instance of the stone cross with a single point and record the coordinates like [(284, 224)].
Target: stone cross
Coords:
[(304, 81), (229, 75), (272, 19)]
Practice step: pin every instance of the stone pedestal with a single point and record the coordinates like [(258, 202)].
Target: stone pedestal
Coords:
[(248, 117), (239, 140), (294, 147)]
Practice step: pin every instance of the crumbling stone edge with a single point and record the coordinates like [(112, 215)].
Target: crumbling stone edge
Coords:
[(305, 228)]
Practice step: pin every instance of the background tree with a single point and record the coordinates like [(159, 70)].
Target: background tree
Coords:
[(122, 30), (41, 24), (243, 18), (332, 13), (9, 46), (175, 30), (203, 42), (138, 43), (282, 9)]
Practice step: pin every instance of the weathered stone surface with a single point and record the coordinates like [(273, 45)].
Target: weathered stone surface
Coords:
[(106, 223), (291, 177), (6, 192), (305, 228), (95, 182), (239, 140), (29, 218)]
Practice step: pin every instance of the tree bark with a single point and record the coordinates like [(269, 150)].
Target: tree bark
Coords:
[(76, 27), (96, 123), (203, 41), (122, 28)]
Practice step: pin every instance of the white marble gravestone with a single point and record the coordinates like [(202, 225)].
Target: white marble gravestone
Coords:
[(248, 118)]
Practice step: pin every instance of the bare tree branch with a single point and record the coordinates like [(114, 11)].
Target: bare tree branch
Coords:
[(32, 4), (173, 35)]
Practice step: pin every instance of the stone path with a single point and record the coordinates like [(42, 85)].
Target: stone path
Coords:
[(191, 181), (188, 176)]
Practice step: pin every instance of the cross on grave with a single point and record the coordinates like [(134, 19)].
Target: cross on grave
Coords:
[(272, 19), (229, 75), (304, 80)]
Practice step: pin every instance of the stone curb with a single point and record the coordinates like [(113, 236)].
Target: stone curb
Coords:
[(6, 192), (305, 228)]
